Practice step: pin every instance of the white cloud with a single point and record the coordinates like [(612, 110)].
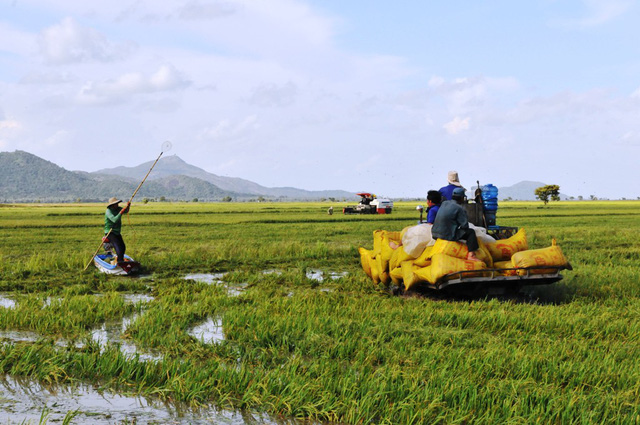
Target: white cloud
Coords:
[(60, 137), (69, 42), (166, 78), (9, 125), (457, 125), (226, 130)]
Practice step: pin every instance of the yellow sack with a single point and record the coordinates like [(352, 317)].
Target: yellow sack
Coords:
[(382, 270), (385, 253), (505, 265), (551, 256), (442, 264), (503, 249), (365, 259), (424, 274), (424, 259), (394, 237), (408, 275), (377, 242), (460, 250), (416, 275), (484, 255), (399, 255), (396, 275), (375, 272), (450, 248)]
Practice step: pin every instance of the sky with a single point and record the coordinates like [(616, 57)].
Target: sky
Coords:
[(360, 95)]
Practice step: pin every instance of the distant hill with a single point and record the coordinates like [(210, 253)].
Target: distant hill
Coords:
[(523, 191), (24, 177), (174, 165)]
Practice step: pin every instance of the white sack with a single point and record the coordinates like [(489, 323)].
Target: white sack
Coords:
[(416, 239), (481, 234)]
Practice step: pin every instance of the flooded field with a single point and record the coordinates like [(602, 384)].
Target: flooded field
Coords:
[(261, 313), (28, 402)]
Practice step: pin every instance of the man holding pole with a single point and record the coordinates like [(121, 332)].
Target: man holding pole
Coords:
[(113, 224)]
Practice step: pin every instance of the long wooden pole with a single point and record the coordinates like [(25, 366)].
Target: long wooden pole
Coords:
[(96, 253), (145, 177), (130, 200)]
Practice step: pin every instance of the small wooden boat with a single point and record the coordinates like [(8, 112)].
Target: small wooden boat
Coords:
[(125, 268)]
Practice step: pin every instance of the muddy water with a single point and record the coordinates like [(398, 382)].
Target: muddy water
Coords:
[(23, 401)]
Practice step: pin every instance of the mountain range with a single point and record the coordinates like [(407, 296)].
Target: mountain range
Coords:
[(25, 177)]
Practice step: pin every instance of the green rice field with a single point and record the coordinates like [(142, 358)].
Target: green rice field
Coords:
[(297, 331)]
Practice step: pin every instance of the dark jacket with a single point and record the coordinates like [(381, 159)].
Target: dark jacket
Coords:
[(451, 222)]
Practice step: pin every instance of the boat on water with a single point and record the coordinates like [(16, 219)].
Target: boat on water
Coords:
[(128, 267)]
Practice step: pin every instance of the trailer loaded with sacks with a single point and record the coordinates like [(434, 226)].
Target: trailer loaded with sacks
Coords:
[(412, 259)]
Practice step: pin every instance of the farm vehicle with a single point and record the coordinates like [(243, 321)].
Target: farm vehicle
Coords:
[(370, 204), (411, 259)]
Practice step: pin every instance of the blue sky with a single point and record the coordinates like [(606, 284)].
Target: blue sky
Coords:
[(356, 95)]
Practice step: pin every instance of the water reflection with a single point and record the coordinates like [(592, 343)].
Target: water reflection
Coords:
[(320, 276), (111, 333), (209, 278), (137, 298), (7, 302), (209, 331), (24, 401), (19, 336), (233, 289)]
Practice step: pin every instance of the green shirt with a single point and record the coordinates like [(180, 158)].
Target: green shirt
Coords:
[(113, 221)]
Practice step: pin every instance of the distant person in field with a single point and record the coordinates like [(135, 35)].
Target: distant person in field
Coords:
[(112, 226), (434, 199), (452, 224), (454, 182)]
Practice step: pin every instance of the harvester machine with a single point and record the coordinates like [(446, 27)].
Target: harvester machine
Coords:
[(370, 204)]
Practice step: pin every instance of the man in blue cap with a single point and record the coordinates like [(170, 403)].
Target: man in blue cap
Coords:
[(452, 223)]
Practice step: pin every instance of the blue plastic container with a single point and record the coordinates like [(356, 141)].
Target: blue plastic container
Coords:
[(490, 203)]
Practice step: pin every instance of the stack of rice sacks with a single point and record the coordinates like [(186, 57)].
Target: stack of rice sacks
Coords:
[(384, 264)]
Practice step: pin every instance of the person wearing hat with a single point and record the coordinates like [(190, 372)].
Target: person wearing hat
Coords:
[(113, 224), (447, 191), (452, 223)]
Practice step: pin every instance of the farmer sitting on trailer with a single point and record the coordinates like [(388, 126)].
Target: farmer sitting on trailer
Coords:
[(434, 199), (454, 182), (112, 225), (452, 224)]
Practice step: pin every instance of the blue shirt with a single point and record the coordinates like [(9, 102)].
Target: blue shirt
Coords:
[(447, 191), (431, 213)]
